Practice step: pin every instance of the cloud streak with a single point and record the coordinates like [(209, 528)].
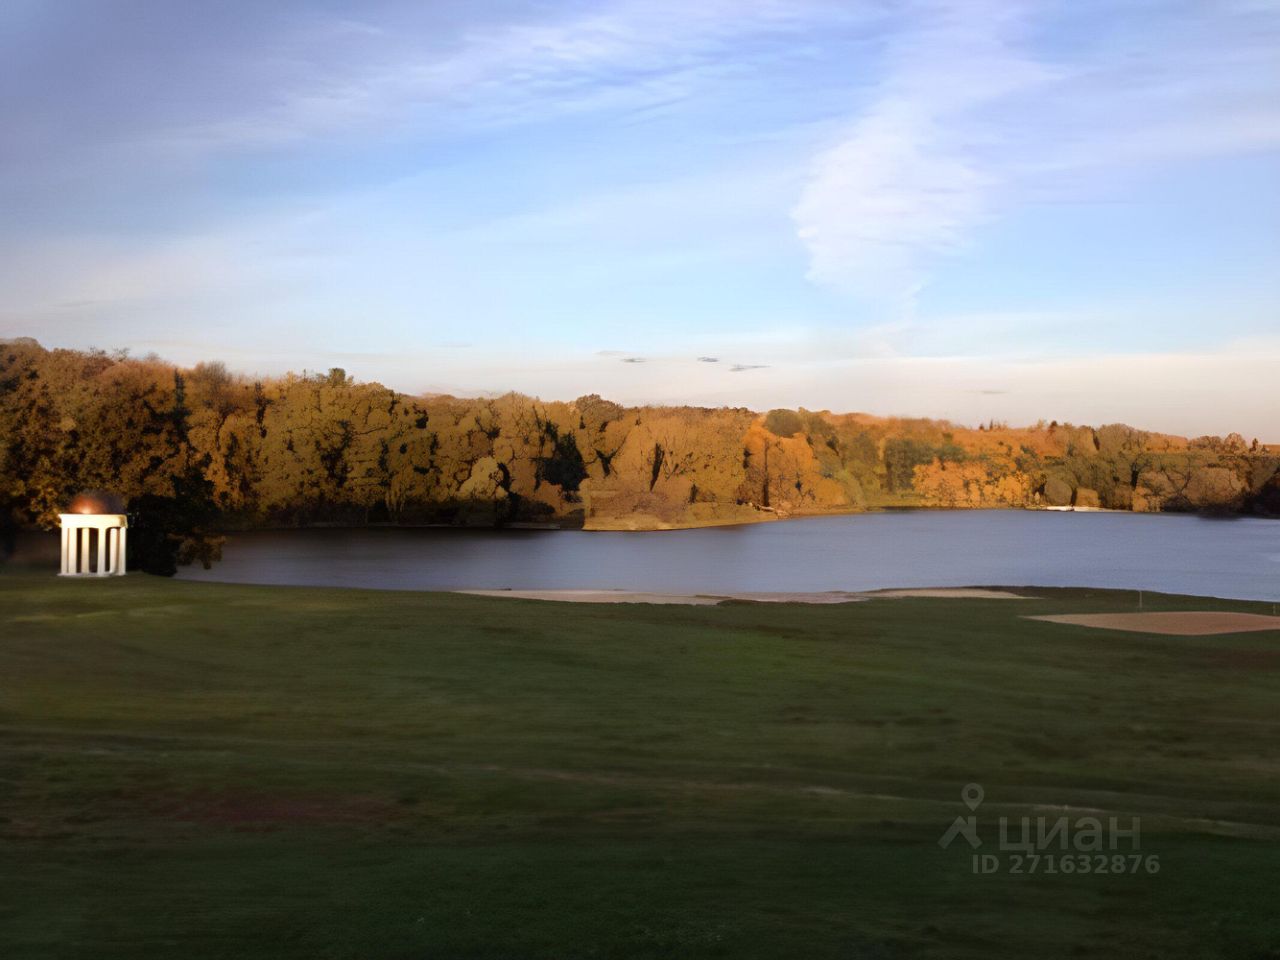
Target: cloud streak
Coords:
[(598, 57), (908, 180), (971, 115)]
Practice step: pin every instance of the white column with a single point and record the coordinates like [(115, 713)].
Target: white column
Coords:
[(111, 550), (66, 535), (85, 561), (124, 556), (102, 551)]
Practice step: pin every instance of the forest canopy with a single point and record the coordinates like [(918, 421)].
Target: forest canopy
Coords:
[(324, 448)]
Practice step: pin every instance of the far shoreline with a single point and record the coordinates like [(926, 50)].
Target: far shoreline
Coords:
[(631, 526)]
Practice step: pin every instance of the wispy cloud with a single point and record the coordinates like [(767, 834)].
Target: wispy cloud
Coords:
[(617, 56), (908, 179), (973, 112)]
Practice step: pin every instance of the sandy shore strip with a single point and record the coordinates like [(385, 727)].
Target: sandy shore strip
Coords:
[(595, 596), (711, 599), (946, 593), (1174, 623)]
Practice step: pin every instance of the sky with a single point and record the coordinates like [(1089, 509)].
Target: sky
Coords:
[(966, 209)]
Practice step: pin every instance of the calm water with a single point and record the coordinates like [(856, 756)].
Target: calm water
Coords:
[(1176, 554)]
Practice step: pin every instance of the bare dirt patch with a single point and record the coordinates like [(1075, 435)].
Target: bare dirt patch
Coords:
[(948, 593), (833, 596), (596, 596), (697, 600), (1177, 623), (756, 596)]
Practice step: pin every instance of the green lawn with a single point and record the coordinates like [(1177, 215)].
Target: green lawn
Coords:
[(202, 770)]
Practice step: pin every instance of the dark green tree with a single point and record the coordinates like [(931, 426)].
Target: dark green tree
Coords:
[(166, 532)]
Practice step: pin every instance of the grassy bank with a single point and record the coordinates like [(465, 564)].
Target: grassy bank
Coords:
[(203, 770)]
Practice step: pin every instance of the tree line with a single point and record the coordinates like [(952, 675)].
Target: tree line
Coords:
[(202, 449)]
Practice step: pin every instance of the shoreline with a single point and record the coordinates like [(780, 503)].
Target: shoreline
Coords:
[(636, 524)]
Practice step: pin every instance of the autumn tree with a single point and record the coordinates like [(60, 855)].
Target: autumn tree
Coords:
[(322, 446)]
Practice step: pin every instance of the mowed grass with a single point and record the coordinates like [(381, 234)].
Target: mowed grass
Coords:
[(205, 770)]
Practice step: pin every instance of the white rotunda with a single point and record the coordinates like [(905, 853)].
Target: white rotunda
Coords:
[(93, 535)]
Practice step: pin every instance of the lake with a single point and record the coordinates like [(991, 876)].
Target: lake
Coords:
[(1237, 557)]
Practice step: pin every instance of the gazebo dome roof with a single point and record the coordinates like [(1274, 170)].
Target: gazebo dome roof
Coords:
[(96, 502)]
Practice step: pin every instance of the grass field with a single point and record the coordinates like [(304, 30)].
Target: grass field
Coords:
[(203, 770)]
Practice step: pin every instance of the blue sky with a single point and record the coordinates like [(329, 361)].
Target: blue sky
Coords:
[(957, 209)]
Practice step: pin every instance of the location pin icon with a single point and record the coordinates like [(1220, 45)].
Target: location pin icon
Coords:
[(972, 795)]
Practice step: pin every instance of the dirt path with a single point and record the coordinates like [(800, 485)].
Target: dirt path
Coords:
[(1174, 623)]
